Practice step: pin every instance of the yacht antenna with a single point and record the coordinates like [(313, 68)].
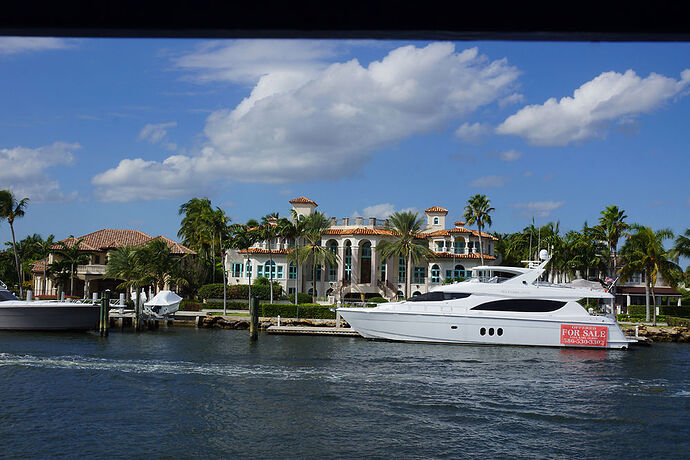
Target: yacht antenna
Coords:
[(531, 230)]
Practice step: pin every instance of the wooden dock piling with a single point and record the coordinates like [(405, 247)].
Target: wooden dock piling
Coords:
[(254, 319)]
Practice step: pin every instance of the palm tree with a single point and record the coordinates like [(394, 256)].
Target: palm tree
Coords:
[(242, 237), (123, 264), (218, 224), (268, 231), (478, 211), (157, 263), (44, 248), (315, 226), (11, 209), (644, 252), (71, 255), (612, 227), (682, 245), (195, 229), (586, 251), (405, 225), (293, 229)]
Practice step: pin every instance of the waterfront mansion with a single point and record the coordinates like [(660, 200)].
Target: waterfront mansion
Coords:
[(360, 273)]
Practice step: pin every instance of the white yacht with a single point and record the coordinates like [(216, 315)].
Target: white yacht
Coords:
[(44, 315), (488, 309)]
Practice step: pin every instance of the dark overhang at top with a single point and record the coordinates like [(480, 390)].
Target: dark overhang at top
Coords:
[(378, 19)]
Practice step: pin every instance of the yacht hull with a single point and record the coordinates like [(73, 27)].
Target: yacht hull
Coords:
[(484, 330), (57, 317)]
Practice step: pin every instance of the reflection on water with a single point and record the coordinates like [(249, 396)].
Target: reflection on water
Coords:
[(185, 392)]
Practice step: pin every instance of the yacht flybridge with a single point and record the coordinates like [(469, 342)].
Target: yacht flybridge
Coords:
[(490, 309)]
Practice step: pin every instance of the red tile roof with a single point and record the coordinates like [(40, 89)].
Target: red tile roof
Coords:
[(437, 209), (457, 230), (449, 255), (109, 238), (360, 231), (264, 251), (459, 223), (39, 265), (302, 200)]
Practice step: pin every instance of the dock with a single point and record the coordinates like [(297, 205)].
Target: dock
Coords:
[(310, 330)]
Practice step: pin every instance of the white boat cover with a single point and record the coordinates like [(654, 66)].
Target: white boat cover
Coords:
[(164, 298), (585, 284)]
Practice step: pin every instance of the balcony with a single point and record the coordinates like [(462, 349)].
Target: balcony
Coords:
[(92, 269)]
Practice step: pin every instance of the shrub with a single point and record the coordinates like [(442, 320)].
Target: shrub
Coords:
[(671, 310), (673, 321), (238, 291), (191, 305), (312, 310), (639, 319), (378, 300), (231, 305), (260, 281)]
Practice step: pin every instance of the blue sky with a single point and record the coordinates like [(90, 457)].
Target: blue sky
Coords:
[(117, 133)]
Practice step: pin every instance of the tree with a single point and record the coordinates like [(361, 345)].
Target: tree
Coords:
[(682, 244), (196, 230), (405, 226), (70, 256), (242, 237), (644, 252), (586, 251), (11, 209), (157, 263), (315, 226), (123, 263), (478, 211), (268, 232), (612, 227), (293, 229)]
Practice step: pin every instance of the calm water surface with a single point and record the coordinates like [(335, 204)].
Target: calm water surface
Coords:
[(192, 393)]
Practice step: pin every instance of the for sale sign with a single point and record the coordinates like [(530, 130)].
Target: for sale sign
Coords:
[(583, 335)]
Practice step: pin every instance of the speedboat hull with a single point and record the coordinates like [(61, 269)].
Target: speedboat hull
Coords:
[(600, 332), (52, 317)]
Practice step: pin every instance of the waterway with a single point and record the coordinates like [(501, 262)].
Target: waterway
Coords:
[(211, 393)]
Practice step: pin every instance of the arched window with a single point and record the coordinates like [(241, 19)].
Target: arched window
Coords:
[(401, 295), (435, 220), (365, 263), (416, 293), (348, 261), (332, 246), (270, 269), (435, 274), (459, 271)]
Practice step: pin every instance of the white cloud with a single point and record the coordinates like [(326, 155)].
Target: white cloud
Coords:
[(515, 98), (22, 169), (16, 45), (382, 211), (489, 181), (327, 124), (155, 133), (538, 208), (509, 156), (472, 132), (608, 98)]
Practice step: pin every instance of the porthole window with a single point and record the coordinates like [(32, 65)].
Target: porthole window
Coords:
[(482, 331), (499, 331), (491, 331), (453, 327)]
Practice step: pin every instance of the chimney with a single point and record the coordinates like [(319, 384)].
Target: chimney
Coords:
[(345, 221), (372, 221), (359, 221)]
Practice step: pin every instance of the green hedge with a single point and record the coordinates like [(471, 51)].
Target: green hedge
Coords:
[(191, 305), (378, 300), (673, 321), (313, 310), (640, 319), (671, 310), (237, 291), (230, 304)]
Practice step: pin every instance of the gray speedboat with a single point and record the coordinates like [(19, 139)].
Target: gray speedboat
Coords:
[(43, 315)]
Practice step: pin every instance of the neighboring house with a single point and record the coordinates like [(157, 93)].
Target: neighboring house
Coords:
[(633, 293), (97, 245), (360, 273)]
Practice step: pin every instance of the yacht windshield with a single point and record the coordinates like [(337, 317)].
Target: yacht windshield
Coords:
[(6, 295), (438, 296)]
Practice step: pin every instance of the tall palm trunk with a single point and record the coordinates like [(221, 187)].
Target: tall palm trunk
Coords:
[(481, 247), (313, 278), (646, 295), (653, 304), (296, 270), (20, 278), (408, 284), (71, 279)]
